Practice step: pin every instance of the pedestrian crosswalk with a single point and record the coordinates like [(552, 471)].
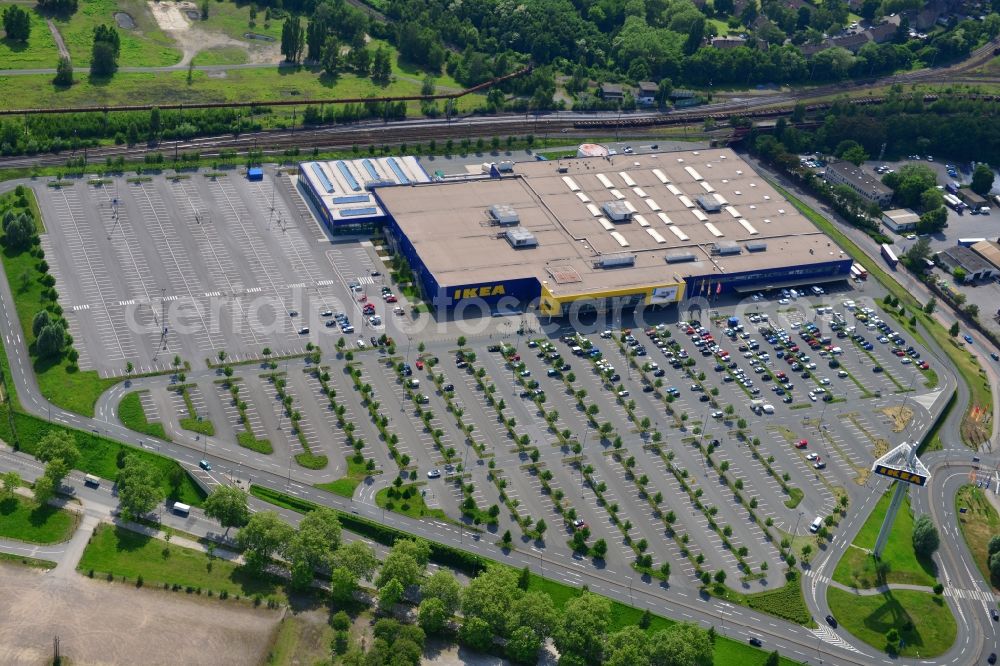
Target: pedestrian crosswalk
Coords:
[(366, 279), (979, 595), (828, 635)]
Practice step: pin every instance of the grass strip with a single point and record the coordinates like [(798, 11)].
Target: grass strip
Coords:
[(24, 560), (24, 519), (248, 440), (923, 620), (133, 416), (118, 552), (346, 485), (786, 602), (979, 523)]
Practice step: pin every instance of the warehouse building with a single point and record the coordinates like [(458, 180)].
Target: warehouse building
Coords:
[(341, 190), (900, 220), (606, 232)]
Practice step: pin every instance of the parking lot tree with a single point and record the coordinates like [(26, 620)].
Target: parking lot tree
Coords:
[(972, 310), (138, 488), (490, 596), (476, 633), (264, 535), (343, 583), (390, 594), (443, 585), (406, 562), (228, 505), (432, 616), (982, 178)]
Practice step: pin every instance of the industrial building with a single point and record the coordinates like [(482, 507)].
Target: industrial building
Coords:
[(341, 190), (862, 181), (972, 263), (900, 220), (604, 232)]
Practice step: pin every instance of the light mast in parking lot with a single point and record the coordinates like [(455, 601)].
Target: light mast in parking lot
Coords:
[(901, 464)]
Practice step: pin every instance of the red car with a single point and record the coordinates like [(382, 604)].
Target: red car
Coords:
[(368, 309), (924, 365), (419, 364), (802, 443), (390, 299)]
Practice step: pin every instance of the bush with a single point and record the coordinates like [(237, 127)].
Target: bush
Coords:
[(340, 621)]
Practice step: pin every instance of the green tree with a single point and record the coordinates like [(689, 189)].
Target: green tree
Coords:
[(138, 488), (228, 505), (910, 182), (17, 24), (931, 199), (343, 583), (19, 230), (358, 558), (443, 585), (953, 331), (432, 615), (490, 596), (382, 66), (627, 647), (918, 253), (64, 73), (51, 341), (476, 633), (582, 629), (402, 564), (536, 611), (523, 646), (330, 56), (312, 545), (982, 179), (390, 594), (105, 51), (11, 482), (773, 659), (925, 536), (264, 535), (58, 445), (292, 39), (855, 155), (682, 643)]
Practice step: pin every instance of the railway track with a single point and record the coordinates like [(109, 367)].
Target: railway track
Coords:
[(346, 137)]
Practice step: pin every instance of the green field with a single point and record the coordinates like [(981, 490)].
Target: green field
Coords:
[(235, 85), (923, 620), (132, 415), (233, 21), (857, 569), (979, 524), (124, 553), (221, 55), (40, 51), (23, 519), (146, 46), (413, 506)]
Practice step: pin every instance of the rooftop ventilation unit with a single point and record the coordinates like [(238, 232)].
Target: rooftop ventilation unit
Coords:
[(615, 260), (617, 211), (380, 182), (709, 204), (725, 248), (519, 237), (756, 246), (679, 258), (504, 215)]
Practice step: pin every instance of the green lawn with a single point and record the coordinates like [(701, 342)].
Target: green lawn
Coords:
[(233, 20), (346, 485), (967, 364), (413, 506), (124, 553), (131, 413), (221, 55), (24, 519), (785, 602), (857, 568), (979, 524), (248, 440), (76, 390), (235, 85), (146, 46), (923, 620), (40, 51)]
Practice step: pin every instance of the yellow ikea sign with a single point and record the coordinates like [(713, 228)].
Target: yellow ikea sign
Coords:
[(480, 292), (909, 477)]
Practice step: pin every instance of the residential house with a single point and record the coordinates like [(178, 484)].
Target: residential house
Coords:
[(647, 93), (612, 92)]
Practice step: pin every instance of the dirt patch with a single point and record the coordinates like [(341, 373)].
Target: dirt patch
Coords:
[(175, 20), (114, 623), (899, 415)]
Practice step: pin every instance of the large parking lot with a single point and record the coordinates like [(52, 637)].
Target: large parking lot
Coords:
[(700, 443), (151, 267)]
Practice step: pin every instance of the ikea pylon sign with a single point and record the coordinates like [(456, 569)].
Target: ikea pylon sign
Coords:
[(901, 475)]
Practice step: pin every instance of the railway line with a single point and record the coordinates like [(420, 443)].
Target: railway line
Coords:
[(363, 134)]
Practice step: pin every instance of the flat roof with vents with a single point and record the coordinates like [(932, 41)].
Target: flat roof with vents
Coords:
[(444, 222), (503, 214), (340, 188)]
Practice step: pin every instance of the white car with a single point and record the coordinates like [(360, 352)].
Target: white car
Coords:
[(434, 474), (361, 343), (812, 456), (824, 381), (911, 237), (783, 301)]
